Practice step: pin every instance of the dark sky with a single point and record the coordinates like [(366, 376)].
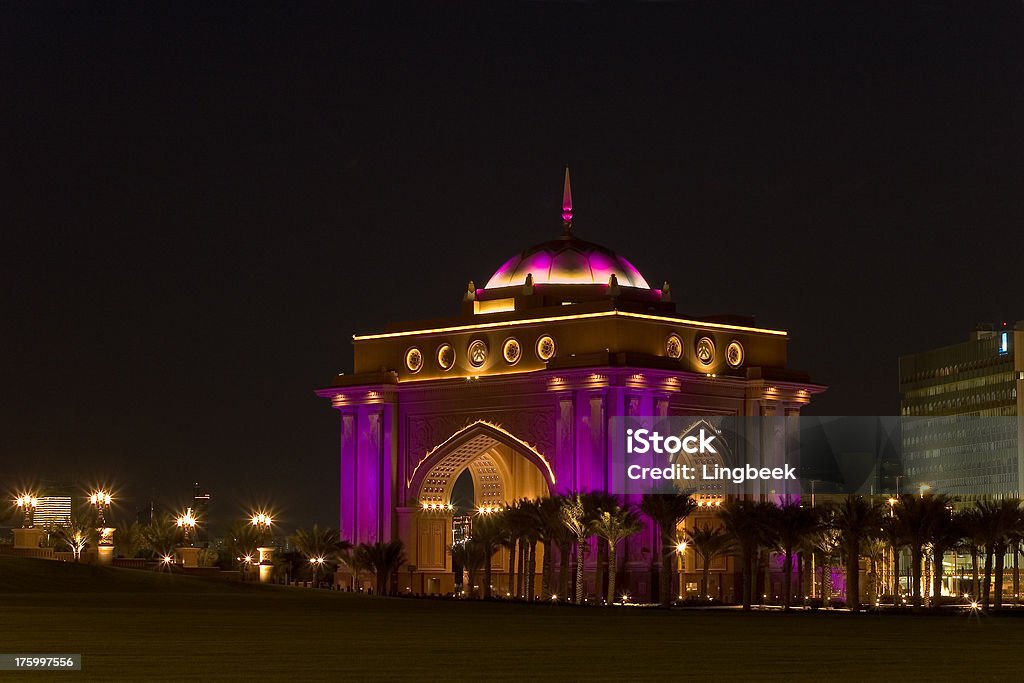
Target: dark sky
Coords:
[(202, 204)]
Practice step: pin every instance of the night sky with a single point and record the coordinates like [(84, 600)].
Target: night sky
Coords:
[(202, 204)]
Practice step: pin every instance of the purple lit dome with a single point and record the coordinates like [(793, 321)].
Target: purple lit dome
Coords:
[(567, 261)]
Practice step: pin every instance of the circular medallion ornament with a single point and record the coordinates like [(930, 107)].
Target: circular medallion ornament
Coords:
[(705, 350), (511, 351), (414, 360), (546, 348), (446, 356), (477, 353), (674, 346), (734, 354)]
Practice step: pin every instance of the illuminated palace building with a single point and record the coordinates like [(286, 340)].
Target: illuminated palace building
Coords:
[(518, 392)]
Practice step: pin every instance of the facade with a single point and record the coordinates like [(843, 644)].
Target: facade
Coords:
[(52, 511), (520, 388), (960, 404)]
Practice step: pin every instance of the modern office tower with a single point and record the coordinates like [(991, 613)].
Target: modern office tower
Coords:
[(961, 405)]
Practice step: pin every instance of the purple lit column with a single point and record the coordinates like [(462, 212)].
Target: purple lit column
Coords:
[(349, 491)]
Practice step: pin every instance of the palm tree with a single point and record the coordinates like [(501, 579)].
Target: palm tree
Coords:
[(916, 518), (874, 551), (490, 533), (574, 517), (793, 524), (999, 521), (470, 556), (596, 502), (319, 546), (747, 523), (354, 561), (529, 512), (515, 524), (384, 558), (128, 539), (243, 540), (613, 526), (78, 532), (552, 533), (667, 511), (857, 519), (890, 531), (161, 535), (825, 544), (947, 532), (709, 542)]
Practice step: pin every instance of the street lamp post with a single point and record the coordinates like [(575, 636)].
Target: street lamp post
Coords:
[(681, 549), (27, 503), (101, 500), (187, 523), (317, 564)]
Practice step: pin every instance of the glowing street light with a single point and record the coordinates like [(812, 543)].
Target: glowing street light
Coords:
[(681, 549), (187, 523), (27, 503), (101, 500), (317, 563), (924, 488), (261, 520)]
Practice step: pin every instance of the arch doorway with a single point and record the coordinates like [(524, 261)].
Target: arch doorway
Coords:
[(492, 468)]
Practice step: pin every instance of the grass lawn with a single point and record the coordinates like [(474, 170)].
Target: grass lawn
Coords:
[(133, 625)]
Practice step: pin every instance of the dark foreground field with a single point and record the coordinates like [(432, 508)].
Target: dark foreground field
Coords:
[(136, 626)]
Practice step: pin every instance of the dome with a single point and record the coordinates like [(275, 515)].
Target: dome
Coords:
[(567, 261)]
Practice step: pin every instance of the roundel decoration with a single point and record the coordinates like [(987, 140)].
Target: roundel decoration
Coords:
[(477, 352), (674, 346), (734, 354), (546, 348), (705, 350), (512, 351), (446, 356), (414, 360)]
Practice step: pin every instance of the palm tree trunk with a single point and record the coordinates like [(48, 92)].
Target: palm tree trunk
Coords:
[(748, 563), (545, 575), (520, 579), (600, 560), (579, 570), (1016, 573), (915, 575), (787, 578), (705, 582), (937, 554), (513, 555), (1000, 552), (987, 583), (611, 572), (531, 571), (853, 576), (665, 583), (821, 581), (487, 575), (895, 575), (975, 587), (564, 551)]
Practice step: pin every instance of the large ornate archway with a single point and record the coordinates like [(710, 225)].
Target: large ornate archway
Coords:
[(504, 468)]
